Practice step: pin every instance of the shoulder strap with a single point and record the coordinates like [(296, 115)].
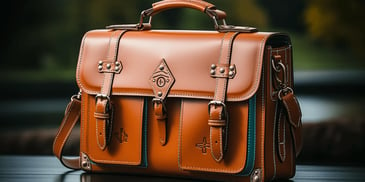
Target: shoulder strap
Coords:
[(72, 115)]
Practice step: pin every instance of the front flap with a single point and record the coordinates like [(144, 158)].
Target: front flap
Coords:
[(188, 55)]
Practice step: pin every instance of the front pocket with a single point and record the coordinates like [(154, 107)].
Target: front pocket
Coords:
[(126, 146), (194, 145)]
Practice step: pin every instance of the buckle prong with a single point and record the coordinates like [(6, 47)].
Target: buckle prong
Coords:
[(217, 103)]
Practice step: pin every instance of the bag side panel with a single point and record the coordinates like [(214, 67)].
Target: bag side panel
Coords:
[(279, 148)]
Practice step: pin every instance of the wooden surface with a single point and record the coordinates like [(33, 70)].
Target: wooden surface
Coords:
[(48, 168)]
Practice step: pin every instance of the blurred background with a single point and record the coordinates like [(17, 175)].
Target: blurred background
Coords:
[(41, 39)]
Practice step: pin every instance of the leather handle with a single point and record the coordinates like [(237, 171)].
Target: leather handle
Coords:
[(199, 5), (205, 7)]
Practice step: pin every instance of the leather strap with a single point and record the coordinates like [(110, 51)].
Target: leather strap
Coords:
[(280, 134), (71, 117), (294, 114), (218, 118), (103, 109), (161, 117)]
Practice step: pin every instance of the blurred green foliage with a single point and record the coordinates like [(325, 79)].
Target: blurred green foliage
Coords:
[(44, 36), (338, 22)]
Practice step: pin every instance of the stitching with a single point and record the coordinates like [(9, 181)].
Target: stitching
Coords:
[(274, 142), (180, 134), (284, 140), (281, 134), (290, 111)]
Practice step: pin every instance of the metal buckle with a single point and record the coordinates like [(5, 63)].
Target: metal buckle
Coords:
[(217, 103), (76, 96), (284, 91), (159, 101), (103, 96), (279, 67)]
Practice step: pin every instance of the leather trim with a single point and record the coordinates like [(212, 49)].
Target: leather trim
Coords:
[(251, 138)]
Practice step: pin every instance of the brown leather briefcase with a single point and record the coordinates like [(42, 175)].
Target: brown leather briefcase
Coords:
[(216, 105)]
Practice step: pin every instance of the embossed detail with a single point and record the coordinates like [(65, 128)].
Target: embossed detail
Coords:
[(121, 136), (161, 80), (203, 146)]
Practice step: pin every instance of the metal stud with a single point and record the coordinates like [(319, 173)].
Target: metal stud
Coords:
[(161, 67), (108, 66), (116, 68), (100, 67), (213, 66), (159, 94), (231, 73), (100, 62), (256, 175), (212, 72), (231, 67), (117, 63), (222, 70)]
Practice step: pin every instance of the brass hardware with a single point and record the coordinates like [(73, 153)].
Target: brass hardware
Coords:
[(161, 67), (85, 162), (159, 94), (223, 71), (110, 67), (256, 175)]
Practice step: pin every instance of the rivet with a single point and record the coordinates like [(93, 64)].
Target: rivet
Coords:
[(100, 67), (212, 72), (117, 63), (162, 67), (167, 80), (159, 94), (108, 66), (231, 73), (154, 80), (231, 67), (100, 62), (255, 178), (213, 66), (116, 68), (222, 70)]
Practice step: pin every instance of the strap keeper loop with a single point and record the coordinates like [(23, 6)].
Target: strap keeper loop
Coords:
[(217, 123)]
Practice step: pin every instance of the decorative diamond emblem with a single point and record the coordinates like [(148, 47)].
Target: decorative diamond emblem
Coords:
[(162, 80)]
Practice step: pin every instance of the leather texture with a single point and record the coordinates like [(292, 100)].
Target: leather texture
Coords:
[(195, 104)]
